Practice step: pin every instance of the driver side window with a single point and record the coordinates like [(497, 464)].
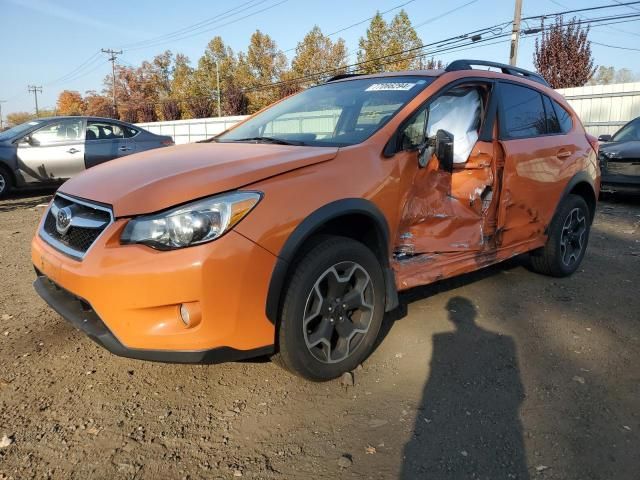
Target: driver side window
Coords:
[(458, 112)]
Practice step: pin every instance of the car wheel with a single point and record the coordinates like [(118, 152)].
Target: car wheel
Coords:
[(567, 240), (5, 182), (332, 310)]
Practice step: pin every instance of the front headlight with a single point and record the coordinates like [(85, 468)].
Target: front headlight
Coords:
[(191, 224)]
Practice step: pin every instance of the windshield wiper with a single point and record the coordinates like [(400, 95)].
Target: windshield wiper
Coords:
[(277, 141)]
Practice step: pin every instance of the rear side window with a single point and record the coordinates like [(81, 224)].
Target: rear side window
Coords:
[(564, 117), (553, 125), (523, 113)]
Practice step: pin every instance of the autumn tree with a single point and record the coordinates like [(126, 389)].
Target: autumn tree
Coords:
[(70, 102), (318, 53), (16, 118), (563, 54), (97, 105)]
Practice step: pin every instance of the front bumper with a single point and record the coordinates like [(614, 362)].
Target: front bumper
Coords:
[(132, 296), (80, 314)]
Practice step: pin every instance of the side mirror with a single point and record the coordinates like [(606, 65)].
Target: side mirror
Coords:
[(604, 138), (444, 150), (28, 140)]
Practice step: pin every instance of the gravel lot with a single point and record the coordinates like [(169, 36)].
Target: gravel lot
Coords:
[(502, 374)]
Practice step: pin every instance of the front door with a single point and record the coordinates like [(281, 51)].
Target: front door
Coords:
[(447, 213), (53, 152)]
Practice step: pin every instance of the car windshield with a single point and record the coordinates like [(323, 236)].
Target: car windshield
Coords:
[(631, 131), (18, 130), (333, 114)]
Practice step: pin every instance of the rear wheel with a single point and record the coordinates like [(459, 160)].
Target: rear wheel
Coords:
[(567, 240), (6, 182), (332, 311)]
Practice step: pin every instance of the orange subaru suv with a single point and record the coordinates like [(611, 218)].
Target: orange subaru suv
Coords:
[(292, 233)]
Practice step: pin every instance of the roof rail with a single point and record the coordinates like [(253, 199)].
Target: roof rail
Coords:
[(508, 69), (343, 75)]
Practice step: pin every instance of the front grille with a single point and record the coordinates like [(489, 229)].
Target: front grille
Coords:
[(87, 222)]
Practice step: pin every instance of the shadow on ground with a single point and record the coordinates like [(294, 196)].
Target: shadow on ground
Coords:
[(468, 424)]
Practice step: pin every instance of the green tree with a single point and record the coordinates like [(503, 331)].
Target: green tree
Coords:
[(218, 61), (263, 65), (603, 76), (373, 45), (401, 37), (318, 53)]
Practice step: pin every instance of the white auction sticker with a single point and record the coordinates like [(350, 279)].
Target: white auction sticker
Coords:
[(394, 86)]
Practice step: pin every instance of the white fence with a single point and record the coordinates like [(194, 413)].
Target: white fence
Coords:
[(602, 109), (605, 108), (189, 131)]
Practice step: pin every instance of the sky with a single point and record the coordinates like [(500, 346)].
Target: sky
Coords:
[(56, 43)]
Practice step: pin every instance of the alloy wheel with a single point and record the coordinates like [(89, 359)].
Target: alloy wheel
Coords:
[(3, 183), (573, 235), (338, 312)]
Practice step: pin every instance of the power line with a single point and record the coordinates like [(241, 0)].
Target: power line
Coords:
[(627, 5), (196, 33), (582, 16), (600, 7), (615, 46), (195, 26)]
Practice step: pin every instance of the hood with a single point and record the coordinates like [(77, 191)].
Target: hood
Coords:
[(621, 150), (157, 179)]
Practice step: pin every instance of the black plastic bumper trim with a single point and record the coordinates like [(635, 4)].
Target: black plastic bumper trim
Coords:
[(79, 313)]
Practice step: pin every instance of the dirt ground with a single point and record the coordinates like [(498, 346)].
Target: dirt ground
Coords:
[(502, 374)]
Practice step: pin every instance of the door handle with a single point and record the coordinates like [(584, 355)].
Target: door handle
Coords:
[(73, 150), (124, 148), (563, 154)]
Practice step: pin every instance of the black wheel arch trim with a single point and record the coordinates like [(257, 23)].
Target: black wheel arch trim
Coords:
[(314, 223), (578, 178)]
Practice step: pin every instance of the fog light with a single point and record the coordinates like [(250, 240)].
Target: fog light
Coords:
[(190, 314), (184, 315)]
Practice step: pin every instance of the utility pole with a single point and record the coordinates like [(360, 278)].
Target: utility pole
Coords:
[(1, 102), (113, 54), (218, 86), (515, 35), (35, 90)]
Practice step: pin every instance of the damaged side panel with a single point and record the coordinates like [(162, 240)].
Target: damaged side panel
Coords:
[(445, 211)]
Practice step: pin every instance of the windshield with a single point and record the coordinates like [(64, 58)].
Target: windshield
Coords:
[(333, 114), (18, 130), (630, 132)]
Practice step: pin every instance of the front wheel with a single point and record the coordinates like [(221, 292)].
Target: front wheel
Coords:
[(567, 239), (332, 310), (5, 182)]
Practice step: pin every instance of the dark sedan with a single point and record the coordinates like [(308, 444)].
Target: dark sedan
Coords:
[(51, 150), (620, 158)]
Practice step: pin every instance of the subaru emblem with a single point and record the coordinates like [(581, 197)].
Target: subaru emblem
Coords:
[(63, 220)]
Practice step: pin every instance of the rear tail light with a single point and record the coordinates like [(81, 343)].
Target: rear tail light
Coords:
[(166, 142), (594, 143)]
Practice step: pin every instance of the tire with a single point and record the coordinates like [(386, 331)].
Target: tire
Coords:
[(332, 310), (6, 182), (567, 240)]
